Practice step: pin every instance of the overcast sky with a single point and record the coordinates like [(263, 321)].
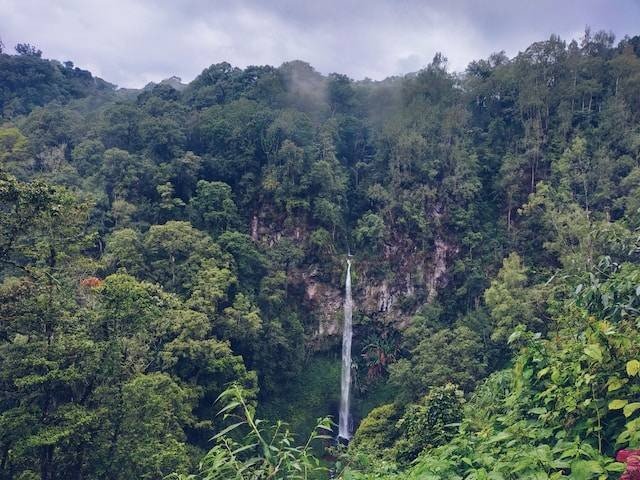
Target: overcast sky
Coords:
[(132, 42)]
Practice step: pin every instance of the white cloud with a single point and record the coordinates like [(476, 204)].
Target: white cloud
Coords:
[(132, 42)]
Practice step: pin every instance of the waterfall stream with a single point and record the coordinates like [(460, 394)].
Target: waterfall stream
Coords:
[(344, 426)]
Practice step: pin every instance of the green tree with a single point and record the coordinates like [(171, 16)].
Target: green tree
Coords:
[(13, 151), (124, 250), (511, 302), (574, 172), (369, 232), (28, 50), (125, 176), (429, 423), (250, 262), (213, 209), (443, 356), (87, 157), (241, 323), (212, 288), (175, 252)]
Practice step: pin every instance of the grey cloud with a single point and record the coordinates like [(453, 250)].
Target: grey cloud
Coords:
[(132, 42)]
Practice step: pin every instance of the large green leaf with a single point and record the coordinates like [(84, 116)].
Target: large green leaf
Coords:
[(617, 404), (594, 351), (630, 408)]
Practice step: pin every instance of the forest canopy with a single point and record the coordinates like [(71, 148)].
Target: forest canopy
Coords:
[(172, 262)]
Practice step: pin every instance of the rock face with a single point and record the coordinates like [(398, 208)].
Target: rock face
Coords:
[(437, 276), (412, 280), (326, 301), (388, 287)]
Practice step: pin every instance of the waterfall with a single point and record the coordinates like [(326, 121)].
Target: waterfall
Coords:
[(344, 430)]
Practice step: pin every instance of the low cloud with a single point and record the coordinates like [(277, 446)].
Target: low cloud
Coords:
[(132, 42)]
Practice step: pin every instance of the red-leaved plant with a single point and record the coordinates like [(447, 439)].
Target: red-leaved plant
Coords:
[(632, 459)]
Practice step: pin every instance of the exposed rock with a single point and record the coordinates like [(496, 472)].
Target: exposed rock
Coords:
[(254, 228), (410, 289), (376, 298), (388, 288), (326, 301), (439, 268)]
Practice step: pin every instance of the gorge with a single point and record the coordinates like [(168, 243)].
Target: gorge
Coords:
[(172, 269)]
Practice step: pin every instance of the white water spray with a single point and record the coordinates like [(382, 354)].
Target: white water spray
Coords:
[(344, 430)]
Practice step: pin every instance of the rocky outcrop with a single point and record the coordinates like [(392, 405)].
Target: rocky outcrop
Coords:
[(437, 277), (388, 287), (377, 298), (326, 301)]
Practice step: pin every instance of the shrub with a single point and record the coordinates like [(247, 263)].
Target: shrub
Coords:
[(377, 430), (430, 423), (263, 452)]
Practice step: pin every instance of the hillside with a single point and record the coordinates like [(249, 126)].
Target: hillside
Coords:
[(159, 245)]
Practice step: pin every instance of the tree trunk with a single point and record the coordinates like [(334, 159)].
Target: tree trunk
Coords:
[(76, 474)]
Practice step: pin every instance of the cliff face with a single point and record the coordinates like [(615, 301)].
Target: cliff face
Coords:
[(415, 276), (388, 287), (326, 302)]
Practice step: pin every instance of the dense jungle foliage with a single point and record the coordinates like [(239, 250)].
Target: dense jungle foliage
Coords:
[(159, 249)]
